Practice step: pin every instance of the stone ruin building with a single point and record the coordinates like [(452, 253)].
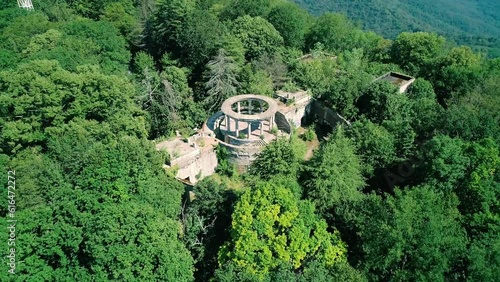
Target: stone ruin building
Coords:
[(401, 81), (245, 124)]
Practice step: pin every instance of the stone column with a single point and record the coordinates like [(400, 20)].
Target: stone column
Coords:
[(270, 124), (237, 128), (260, 104), (249, 129), (261, 125), (228, 124), (239, 108), (249, 107)]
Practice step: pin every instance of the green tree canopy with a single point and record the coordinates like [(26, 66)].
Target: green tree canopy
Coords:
[(82, 42), (314, 271), (457, 73), (40, 96), (382, 101), (18, 31), (239, 8), (291, 21), (138, 244), (415, 52), (483, 257), (162, 29), (316, 75), (475, 116), (413, 235), (334, 174), (271, 226), (94, 8), (278, 158), (347, 83), (206, 222), (254, 80), (426, 113), (257, 35), (382, 104), (99, 211), (336, 33), (167, 97), (470, 170), (420, 89), (374, 144), (198, 38), (122, 18)]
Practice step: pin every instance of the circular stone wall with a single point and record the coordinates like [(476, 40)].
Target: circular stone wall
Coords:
[(272, 107)]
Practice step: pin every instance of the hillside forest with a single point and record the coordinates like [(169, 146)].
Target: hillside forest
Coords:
[(475, 23), (409, 192)]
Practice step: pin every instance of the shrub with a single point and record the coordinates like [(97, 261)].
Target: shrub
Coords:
[(309, 135)]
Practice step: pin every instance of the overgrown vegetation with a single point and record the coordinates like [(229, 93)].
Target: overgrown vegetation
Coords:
[(410, 191)]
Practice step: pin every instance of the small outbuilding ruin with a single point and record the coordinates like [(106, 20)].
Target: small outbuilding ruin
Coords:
[(401, 81)]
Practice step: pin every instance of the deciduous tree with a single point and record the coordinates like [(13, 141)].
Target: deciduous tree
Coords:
[(239, 8), (415, 52), (336, 33), (206, 222), (257, 35), (412, 235), (382, 101), (426, 111), (52, 96), (278, 158), (334, 175), (374, 144), (457, 73), (198, 38), (291, 21), (271, 226)]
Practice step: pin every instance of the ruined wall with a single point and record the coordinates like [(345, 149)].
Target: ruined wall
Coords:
[(241, 142), (186, 159), (326, 115), (404, 87), (295, 116), (300, 108), (201, 165), (241, 156)]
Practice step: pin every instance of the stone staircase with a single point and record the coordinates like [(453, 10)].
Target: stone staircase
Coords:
[(260, 143), (213, 120)]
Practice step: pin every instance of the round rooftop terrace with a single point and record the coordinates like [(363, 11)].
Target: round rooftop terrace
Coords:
[(267, 107)]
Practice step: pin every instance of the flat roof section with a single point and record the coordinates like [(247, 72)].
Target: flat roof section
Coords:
[(176, 148), (399, 80)]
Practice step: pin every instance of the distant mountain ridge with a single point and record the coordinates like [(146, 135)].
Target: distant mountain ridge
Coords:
[(472, 22)]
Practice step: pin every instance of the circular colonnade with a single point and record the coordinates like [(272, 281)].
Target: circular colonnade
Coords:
[(248, 109)]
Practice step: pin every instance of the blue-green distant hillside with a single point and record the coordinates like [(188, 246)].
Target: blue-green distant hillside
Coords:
[(472, 22)]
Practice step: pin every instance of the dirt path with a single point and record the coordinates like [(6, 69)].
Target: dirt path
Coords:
[(311, 146)]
